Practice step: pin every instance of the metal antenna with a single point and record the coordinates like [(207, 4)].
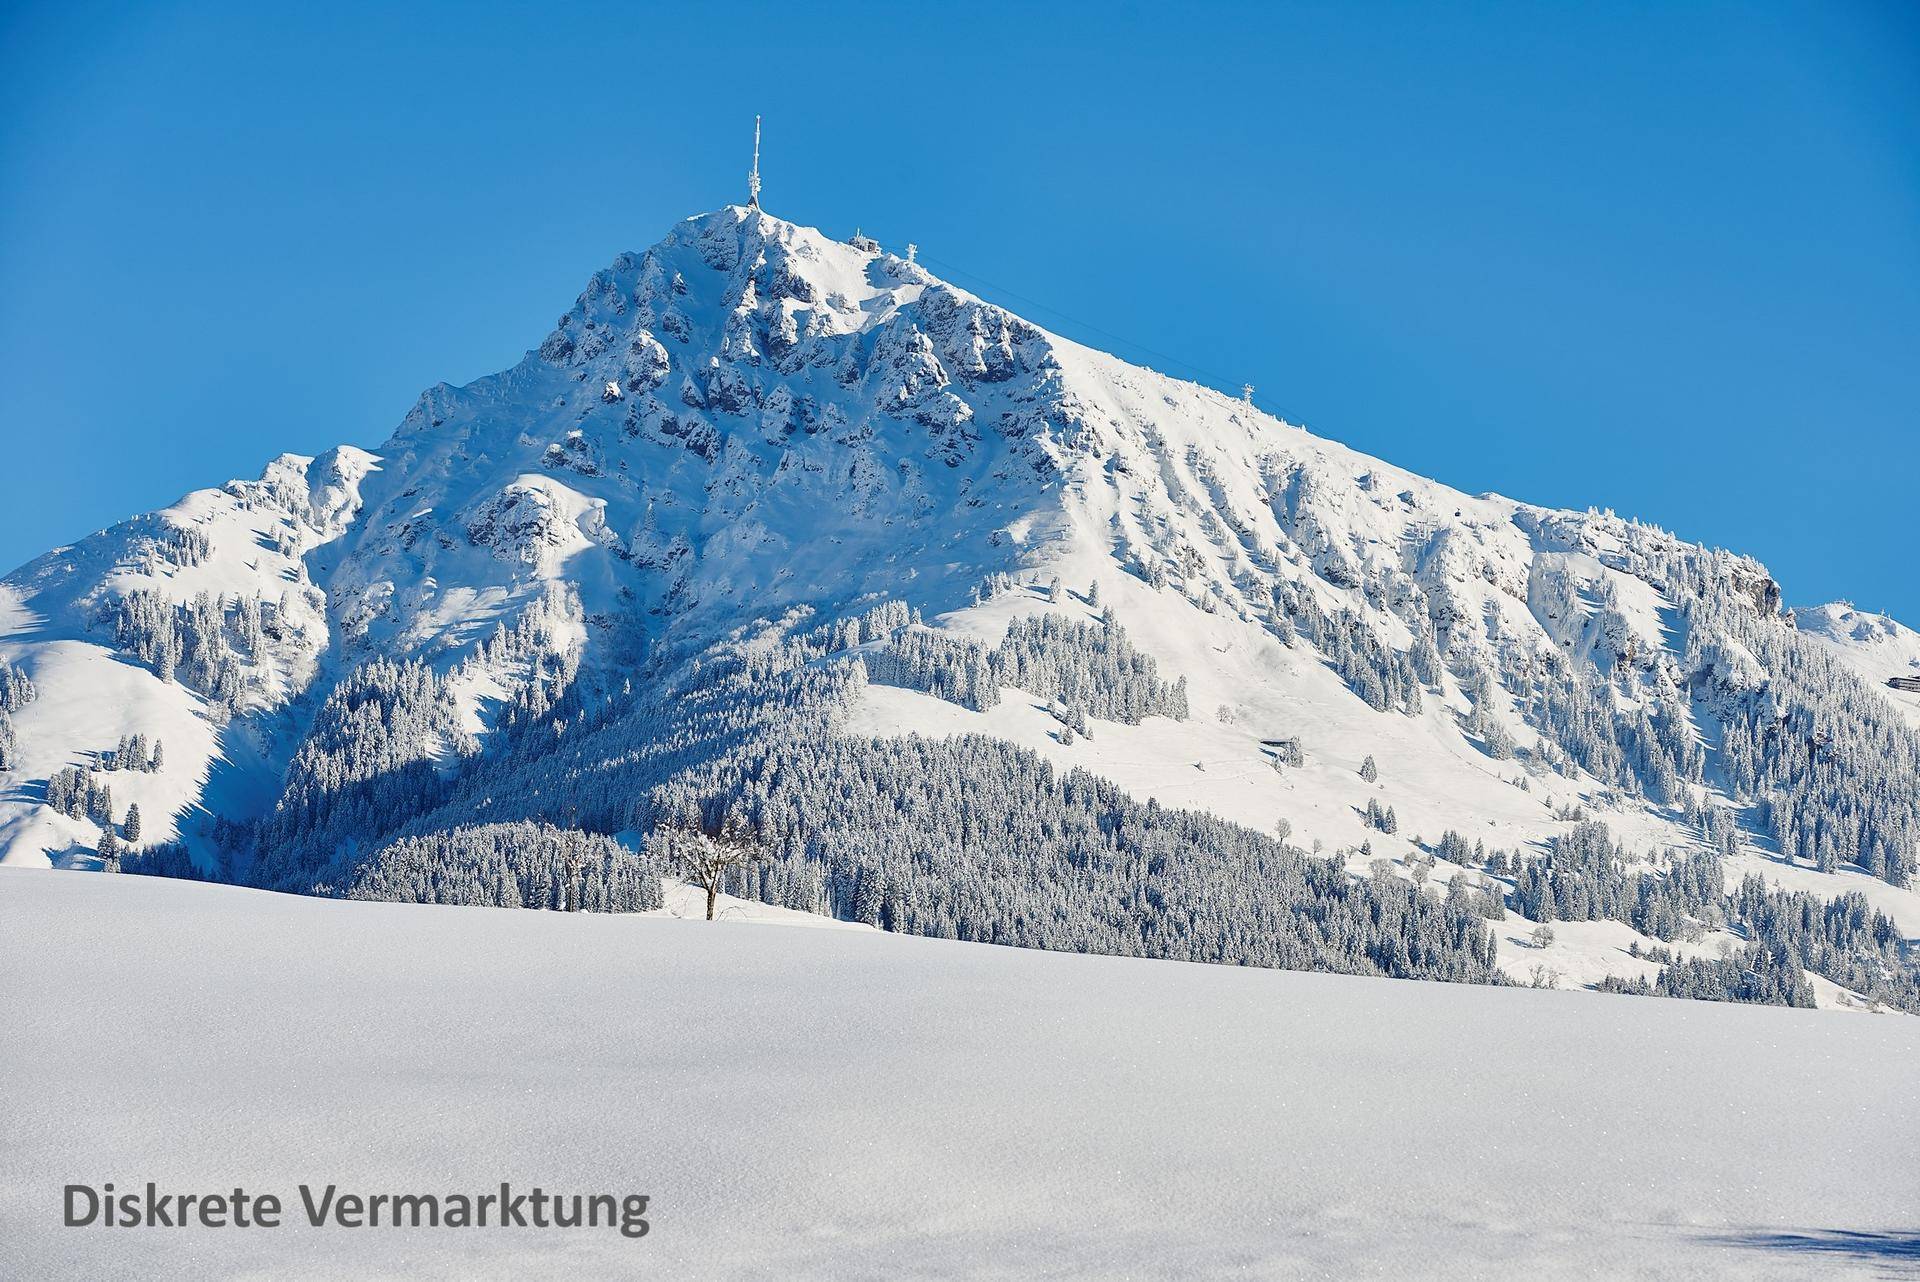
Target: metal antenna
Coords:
[(753, 175)]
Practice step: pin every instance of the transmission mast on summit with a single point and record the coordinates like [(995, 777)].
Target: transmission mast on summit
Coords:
[(753, 175)]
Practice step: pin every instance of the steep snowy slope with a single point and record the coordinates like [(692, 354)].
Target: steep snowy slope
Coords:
[(755, 451), (247, 541)]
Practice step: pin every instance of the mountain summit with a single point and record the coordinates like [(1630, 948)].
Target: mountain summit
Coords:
[(984, 632)]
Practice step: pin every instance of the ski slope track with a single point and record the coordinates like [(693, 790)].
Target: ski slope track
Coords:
[(753, 432)]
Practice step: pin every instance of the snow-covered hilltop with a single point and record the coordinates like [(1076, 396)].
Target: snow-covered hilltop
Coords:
[(1880, 649), (763, 503)]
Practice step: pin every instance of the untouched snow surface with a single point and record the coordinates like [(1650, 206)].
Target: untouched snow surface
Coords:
[(854, 1104)]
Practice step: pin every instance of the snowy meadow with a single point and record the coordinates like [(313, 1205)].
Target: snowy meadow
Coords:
[(849, 1103)]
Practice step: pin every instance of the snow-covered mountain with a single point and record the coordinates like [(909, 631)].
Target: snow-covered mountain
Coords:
[(764, 503)]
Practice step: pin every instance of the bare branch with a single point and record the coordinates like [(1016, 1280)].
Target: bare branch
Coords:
[(704, 854)]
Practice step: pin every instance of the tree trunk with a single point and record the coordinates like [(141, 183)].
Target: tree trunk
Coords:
[(713, 893)]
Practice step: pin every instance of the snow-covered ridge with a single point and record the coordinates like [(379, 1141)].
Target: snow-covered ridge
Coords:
[(1877, 647), (753, 417)]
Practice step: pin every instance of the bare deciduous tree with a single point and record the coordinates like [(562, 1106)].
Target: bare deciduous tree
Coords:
[(704, 854)]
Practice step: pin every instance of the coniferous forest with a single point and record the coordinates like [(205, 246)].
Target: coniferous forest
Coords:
[(970, 837)]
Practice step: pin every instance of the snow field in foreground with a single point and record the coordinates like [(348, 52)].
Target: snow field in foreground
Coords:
[(855, 1104)]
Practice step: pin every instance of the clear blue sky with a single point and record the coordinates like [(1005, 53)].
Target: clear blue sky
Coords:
[(1659, 258)]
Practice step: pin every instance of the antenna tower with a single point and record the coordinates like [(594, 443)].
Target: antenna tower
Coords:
[(753, 175)]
